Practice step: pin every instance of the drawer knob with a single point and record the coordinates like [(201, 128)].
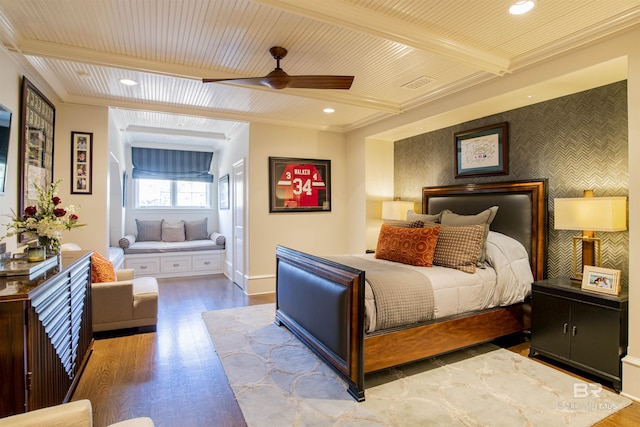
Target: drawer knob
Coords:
[(143, 267), (207, 262), (176, 265)]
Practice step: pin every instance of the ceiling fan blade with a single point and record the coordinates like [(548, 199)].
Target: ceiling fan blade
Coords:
[(320, 82), (277, 79), (253, 81)]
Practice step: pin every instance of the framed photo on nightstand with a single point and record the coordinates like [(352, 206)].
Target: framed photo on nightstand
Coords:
[(603, 280)]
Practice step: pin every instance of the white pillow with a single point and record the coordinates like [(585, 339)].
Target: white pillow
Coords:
[(510, 260)]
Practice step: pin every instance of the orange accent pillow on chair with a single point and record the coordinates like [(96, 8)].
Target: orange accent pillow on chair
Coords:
[(414, 246), (101, 269)]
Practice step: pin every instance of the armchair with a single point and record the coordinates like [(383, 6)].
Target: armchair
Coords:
[(129, 302), (72, 414)]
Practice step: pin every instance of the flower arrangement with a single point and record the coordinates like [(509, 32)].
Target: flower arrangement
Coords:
[(46, 220)]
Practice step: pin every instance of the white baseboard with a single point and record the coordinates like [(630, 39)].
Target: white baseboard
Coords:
[(265, 284), (631, 377)]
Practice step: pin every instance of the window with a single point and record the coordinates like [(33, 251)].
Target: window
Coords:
[(164, 193)]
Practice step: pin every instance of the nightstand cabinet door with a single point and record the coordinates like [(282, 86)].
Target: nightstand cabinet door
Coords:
[(596, 338), (552, 333)]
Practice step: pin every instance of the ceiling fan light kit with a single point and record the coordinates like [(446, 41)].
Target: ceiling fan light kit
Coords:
[(279, 79)]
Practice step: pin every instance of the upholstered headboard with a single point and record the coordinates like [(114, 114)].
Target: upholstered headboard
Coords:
[(522, 212)]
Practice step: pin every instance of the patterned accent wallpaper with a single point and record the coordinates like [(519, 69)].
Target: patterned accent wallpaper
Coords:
[(577, 142)]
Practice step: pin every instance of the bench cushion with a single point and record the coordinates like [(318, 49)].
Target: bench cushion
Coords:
[(163, 247)]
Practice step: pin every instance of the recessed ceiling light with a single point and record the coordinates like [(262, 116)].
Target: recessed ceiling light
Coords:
[(329, 110), (521, 7), (128, 82)]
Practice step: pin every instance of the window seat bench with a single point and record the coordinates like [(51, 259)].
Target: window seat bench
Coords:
[(175, 259)]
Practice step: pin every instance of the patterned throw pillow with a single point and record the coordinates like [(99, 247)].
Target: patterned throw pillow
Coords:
[(485, 217), (414, 246), (173, 232), (459, 247), (149, 231), (101, 269)]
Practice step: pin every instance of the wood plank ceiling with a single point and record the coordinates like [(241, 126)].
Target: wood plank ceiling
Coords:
[(403, 53)]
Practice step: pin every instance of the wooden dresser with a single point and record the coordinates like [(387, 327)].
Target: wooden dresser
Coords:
[(45, 334)]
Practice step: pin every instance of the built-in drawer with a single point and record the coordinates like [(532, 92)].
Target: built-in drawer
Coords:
[(209, 262), (143, 267), (177, 264)]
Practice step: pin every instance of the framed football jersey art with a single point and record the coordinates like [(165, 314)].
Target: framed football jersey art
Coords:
[(299, 185)]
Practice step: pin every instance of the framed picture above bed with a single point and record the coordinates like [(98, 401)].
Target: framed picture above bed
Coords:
[(482, 151), (299, 185)]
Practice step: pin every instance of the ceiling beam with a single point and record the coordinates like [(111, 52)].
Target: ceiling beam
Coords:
[(366, 21), (93, 57), (200, 112)]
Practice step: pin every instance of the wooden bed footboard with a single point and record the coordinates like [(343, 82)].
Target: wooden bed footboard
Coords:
[(322, 303)]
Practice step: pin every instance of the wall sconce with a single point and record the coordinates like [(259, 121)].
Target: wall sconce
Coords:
[(590, 214), (396, 209)]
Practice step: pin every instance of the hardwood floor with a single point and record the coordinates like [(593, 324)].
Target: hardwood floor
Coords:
[(175, 377)]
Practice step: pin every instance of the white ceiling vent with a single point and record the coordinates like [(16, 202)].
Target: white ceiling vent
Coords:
[(418, 83)]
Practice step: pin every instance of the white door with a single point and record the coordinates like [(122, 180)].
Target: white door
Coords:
[(238, 224)]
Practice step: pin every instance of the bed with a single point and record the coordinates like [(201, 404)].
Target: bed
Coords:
[(322, 301)]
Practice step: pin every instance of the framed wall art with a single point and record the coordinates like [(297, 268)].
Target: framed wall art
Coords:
[(299, 185), (5, 131), (37, 122), (223, 192), (603, 280), (81, 162), (482, 151)]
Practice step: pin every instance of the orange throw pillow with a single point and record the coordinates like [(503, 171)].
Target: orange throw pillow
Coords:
[(414, 246), (101, 269)]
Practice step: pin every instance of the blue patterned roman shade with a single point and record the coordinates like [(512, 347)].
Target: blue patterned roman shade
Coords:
[(153, 163)]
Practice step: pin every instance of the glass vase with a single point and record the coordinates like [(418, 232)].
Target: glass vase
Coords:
[(52, 245)]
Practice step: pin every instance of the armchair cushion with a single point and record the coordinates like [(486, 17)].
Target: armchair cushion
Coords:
[(125, 274)]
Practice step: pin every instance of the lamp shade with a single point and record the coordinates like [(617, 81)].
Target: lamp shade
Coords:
[(396, 209), (591, 213)]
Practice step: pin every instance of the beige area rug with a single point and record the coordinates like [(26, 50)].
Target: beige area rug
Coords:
[(279, 382)]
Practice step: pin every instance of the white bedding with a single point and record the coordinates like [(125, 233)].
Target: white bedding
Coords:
[(506, 281)]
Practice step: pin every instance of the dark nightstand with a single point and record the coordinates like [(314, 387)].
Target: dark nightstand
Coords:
[(582, 329)]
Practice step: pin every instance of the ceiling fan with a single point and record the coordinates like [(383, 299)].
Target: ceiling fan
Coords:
[(278, 79)]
